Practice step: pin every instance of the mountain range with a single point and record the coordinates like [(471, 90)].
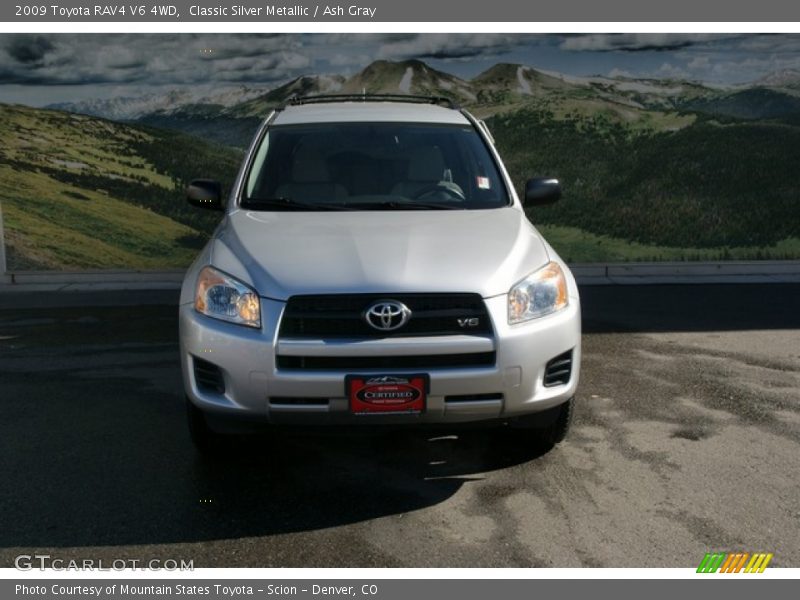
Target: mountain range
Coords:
[(130, 108), (504, 87)]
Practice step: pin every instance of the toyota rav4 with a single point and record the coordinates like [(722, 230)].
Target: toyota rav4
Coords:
[(374, 266)]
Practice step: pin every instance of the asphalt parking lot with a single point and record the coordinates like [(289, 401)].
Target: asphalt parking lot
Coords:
[(686, 440)]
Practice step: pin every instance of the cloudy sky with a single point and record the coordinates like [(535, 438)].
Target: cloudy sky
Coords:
[(40, 69)]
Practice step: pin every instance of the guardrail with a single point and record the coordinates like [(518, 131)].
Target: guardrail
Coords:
[(587, 274), (64, 281), (783, 271)]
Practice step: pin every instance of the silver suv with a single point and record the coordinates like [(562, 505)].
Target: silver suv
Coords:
[(374, 266)]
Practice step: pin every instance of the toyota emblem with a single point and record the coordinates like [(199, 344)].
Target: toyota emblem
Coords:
[(387, 315)]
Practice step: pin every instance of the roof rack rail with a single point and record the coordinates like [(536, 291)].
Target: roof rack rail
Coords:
[(364, 97)]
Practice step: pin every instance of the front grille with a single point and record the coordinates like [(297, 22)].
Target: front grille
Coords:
[(208, 376), (558, 370), (298, 401), (354, 363), (473, 397), (342, 316)]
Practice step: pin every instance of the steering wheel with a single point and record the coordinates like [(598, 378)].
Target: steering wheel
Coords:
[(451, 189)]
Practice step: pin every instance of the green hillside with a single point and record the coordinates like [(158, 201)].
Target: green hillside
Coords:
[(729, 189), (755, 103), (652, 169), (576, 245), (79, 192)]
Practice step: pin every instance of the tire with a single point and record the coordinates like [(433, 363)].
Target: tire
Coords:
[(549, 427), (208, 442), (556, 432)]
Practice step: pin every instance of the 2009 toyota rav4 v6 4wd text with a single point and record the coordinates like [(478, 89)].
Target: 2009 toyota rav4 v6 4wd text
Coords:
[(375, 266)]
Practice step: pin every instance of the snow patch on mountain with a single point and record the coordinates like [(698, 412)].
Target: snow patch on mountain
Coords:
[(129, 108), (445, 85), (405, 83), (524, 84), (648, 88), (781, 78)]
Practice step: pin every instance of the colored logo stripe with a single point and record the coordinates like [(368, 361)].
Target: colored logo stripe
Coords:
[(734, 562), (758, 563), (711, 562)]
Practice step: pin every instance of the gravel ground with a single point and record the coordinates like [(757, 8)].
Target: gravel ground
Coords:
[(685, 441)]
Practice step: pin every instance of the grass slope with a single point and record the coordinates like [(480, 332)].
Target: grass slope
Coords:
[(724, 189), (576, 245), (79, 192)]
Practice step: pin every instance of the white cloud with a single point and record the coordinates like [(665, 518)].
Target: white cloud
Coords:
[(699, 63), (451, 45), (621, 73), (670, 71), (348, 60), (184, 58), (605, 42)]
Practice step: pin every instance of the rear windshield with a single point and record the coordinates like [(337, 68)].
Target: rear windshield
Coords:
[(373, 166)]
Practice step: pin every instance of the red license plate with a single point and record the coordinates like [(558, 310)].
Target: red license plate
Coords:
[(385, 394)]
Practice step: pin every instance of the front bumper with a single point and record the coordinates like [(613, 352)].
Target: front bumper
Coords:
[(256, 389)]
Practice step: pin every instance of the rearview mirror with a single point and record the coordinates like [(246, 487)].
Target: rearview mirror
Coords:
[(542, 190), (205, 193)]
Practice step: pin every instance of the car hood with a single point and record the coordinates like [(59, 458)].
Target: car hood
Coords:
[(283, 254)]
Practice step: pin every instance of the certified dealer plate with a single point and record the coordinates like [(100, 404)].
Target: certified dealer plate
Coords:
[(386, 394)]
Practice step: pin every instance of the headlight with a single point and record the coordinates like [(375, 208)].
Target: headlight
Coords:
[(221, 296), (539, 294)]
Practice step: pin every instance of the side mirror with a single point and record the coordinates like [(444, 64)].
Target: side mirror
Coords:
[(542, 190), (205, 193)]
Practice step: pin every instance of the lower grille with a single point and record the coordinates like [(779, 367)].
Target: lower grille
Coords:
[(208, 376), (558, 370), (473, 397), (354, 363), (299, 401)]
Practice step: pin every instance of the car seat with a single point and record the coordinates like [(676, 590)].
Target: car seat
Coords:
[(310, 179), (425, 168)]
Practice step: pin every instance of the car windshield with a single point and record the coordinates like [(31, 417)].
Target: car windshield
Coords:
[(373, 166)]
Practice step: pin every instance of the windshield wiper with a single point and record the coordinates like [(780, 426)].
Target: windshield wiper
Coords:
[(289, 204), (411, 205)]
